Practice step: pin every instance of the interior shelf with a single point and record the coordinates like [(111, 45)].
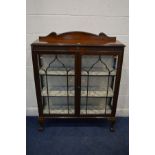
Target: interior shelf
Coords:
[(58, 110), (55, 71), (64, 109), (108, 111), (62, 71), (93, 92)]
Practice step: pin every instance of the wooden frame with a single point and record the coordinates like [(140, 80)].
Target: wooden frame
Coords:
[(77, 44)]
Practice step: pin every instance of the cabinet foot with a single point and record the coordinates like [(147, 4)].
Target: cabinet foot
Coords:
[(41, 121), (40, 128), (112, 123), (112, 129)]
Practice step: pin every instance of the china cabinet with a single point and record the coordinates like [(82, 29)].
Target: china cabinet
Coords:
[(77, 75)]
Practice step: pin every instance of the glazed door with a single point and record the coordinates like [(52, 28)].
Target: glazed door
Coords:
[(98, 73), (57, 76)]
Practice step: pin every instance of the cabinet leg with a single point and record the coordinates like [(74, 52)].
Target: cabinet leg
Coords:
[(112, 123), (41, 121)]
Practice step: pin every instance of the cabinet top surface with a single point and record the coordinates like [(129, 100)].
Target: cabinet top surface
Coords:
[(77, 39)]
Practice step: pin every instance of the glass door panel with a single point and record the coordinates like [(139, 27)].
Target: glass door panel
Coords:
[(97, 84), (57, 73)]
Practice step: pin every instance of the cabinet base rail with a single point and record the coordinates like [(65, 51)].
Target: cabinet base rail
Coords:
[(112, 120)]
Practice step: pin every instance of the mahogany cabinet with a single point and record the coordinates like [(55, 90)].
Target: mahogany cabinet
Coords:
[(77, 75)]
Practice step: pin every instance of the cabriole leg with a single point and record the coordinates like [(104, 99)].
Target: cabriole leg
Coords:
[(112, 123), (41, 121)]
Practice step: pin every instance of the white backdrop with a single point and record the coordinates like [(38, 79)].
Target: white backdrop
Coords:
[(108, 16)]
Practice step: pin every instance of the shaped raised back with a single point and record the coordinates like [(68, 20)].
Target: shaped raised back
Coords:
[(77, 38)]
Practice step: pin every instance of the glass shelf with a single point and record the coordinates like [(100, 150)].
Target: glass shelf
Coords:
[(93, 92), (62, 71)]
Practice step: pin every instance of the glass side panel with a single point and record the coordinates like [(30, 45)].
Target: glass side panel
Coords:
[(97, 84), (57, 76)]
